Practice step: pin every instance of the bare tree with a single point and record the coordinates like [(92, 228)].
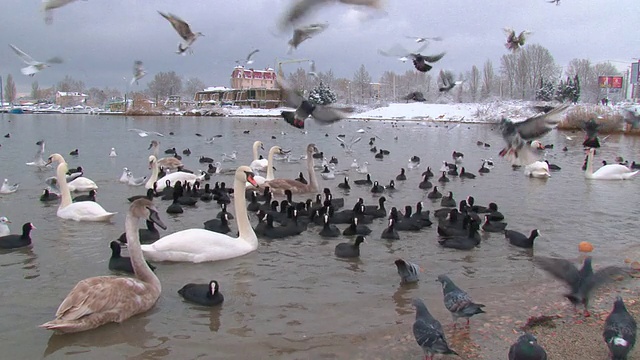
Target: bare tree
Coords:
[(388, 89), (48, 94), (192, 86), (328, 78), (523, 70), (361, 85), (488, 79), (69, 84), (165, 84), (300, 81), (541, 65), (35, 90), (343, 89), (473, 82), (588, 79), (10, 89)]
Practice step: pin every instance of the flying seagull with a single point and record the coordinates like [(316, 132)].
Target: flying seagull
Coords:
[(145, 133), (302, 8), (138, 71), (421, 61), (446, 77), (248, 60), (515, 42), (34, 65), (305, 32), (325, 114), (517, 134), (49, 5), (400, 52), (183, 30), (424, 39), (581, 282)]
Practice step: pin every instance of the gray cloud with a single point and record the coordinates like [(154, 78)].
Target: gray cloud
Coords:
[(100, 39)]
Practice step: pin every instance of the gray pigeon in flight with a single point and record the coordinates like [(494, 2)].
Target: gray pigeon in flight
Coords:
[(446, 78), (514, 42), (517, 134), (302, 8), (184, 30), (325, 114), (408, 271), (581, 282), (457, 301), (527, 348), (421, 62), (428, 332), (305, 32), (619, 331)]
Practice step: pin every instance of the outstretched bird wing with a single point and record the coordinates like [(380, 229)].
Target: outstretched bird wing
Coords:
[(181, 27), (26, 58), (539, 125), (561, 269)]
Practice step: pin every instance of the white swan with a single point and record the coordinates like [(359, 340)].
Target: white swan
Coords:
[(538, 169), (607, 172), (38, 161), (8, 188), (79, 211), (181, 176), (257, 163), (270, 176), (124, 178), (99, 300), (82, 183), (279, 186), (200, 245)]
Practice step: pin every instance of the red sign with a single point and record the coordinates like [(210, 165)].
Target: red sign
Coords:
[(614, 82)]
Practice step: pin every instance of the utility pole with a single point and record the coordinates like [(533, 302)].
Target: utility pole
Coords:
[(1, 93)]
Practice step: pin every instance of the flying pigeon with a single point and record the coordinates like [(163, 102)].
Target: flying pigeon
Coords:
[(248, 60), (514, 42), (517, 134), (557, 2), (321, 113), (419, 39), (527, 348), (303, 33), (421, 61), (619, 331), (49, 5), (582, 281), (591, 128), (183, 30), (415, 96), (301, 8), (630, 117), (138, 72), (446, 77), (408, 271), (457, 301), (428, 332), (400, 52), (34, 65)]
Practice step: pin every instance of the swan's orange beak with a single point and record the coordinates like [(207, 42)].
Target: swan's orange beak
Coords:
[(251, 180)]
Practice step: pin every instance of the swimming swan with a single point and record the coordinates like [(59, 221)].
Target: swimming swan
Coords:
[(181, 176), (257, 163), (607, 172), (261, 180), (278, 186), (80, 211), (100, 300), (537, 169), (200, 245)]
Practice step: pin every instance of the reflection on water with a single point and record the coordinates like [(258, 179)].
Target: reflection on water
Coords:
[(292, 298)]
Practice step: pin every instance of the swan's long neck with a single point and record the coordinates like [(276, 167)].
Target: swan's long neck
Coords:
[(154, 176), (140, 267), (239, 202), (270, 175), (255, 150), (313, 181), (589, 170), (65, 194)]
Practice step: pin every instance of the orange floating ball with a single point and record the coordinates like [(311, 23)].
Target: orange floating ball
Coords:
[(585, 246)]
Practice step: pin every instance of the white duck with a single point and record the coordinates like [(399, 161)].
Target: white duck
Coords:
[(538, 169), (181, 176), (257, 163), (8, 188), (99, 300), (4, 228), (270, 176), (124, 178), (607, 172), (200, 245), (78, 211), (169, 163), (38, 161)]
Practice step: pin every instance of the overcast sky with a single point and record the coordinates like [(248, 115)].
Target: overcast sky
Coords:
[(100, 39)]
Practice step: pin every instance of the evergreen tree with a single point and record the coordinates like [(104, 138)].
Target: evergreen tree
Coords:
[(576, 92), (560, 91), (546, 91), (322, 95)]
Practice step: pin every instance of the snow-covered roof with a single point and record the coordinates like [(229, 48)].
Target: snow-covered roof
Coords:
[(70, 93), (217, 88)]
